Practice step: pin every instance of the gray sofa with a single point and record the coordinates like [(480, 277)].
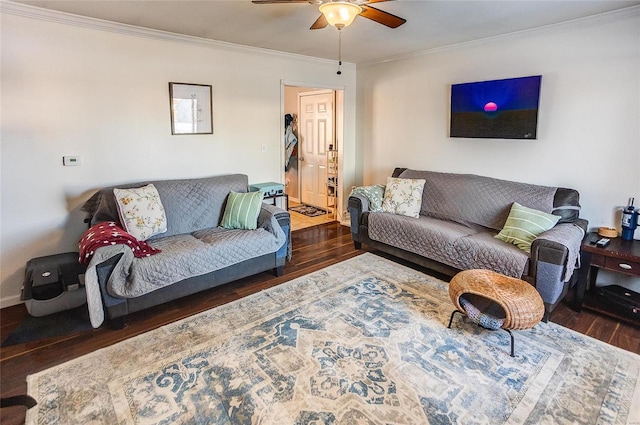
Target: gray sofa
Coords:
[(459, 217), (196, 254)]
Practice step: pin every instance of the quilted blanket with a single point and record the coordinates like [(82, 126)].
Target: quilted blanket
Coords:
[(182, 256)]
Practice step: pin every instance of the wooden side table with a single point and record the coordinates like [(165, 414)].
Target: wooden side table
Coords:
[(619, 256)]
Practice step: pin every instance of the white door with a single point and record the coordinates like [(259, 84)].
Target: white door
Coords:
[(316, 131)]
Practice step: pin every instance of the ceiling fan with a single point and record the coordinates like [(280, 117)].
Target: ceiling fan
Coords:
[(341, 13)]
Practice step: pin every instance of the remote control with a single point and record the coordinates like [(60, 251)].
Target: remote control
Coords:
[(603, 242)]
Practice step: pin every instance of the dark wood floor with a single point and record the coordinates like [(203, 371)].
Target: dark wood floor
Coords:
[(314, 248)]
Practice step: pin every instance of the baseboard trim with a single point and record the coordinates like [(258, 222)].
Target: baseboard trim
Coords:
[(10, 301)]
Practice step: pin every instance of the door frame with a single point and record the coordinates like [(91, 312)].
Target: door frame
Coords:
[(340, 92)]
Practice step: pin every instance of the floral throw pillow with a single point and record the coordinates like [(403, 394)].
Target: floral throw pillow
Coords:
[(403, 196), (141, 212)]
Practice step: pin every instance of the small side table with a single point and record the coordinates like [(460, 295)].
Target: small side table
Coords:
[(619, 256), (272, 191), (275, 197)]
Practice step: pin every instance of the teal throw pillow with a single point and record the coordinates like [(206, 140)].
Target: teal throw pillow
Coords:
[(374, 195), (524, 225), (242, 210)]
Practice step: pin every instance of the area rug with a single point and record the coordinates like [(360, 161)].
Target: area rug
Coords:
[(362, 342), (308, 210)]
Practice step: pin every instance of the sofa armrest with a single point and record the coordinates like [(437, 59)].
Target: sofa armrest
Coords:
[(554, 257), (555, 245), (284, 220), (358, 202), (357, 206), (109, 263), (116, 307), (267, 210)]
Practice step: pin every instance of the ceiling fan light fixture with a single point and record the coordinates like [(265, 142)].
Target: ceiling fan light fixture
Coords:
[(340, 14)]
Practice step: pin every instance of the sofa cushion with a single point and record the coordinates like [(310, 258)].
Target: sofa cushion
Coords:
[(187, 255), (566, 202), (403, 196), (482, 311), (242, 210), (456, 245), (467, 198), (141, 211), (189, 204), (525, 224), (483, 251)]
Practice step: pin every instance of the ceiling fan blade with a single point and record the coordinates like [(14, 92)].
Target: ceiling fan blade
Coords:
[(278, 1), (382, 17), (321, 22)]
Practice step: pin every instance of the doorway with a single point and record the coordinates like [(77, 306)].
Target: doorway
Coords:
[(317, 125), (316, 114)]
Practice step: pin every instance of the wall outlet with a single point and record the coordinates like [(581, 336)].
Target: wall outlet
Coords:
[(263, 148)]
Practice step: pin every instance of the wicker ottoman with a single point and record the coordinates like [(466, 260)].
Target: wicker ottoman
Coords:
[(495, 301)]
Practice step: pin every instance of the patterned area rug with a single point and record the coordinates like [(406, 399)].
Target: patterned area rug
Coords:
[(361, 342), (308, 210)]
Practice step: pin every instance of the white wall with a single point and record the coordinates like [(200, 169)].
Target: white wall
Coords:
[(72, 89), (589, 118)]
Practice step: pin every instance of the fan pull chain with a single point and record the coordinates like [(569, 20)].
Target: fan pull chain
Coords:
[(339, 51)]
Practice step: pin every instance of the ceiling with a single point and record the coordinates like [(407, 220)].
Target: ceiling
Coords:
[(285, 27)]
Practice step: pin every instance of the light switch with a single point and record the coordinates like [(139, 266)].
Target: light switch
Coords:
[(71, 161)]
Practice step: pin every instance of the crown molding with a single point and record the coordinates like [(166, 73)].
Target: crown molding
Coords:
[(41, 14), (588, 21)]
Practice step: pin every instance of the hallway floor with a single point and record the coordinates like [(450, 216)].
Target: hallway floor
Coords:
[(301, 221)]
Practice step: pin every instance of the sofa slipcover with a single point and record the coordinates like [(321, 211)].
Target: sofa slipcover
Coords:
[(460, 215), (197, 254)]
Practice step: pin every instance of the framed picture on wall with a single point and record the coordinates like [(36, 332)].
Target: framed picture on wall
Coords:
[(191, 108)]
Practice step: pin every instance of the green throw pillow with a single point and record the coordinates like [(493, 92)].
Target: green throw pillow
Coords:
[(242, 210), (524, 225)]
